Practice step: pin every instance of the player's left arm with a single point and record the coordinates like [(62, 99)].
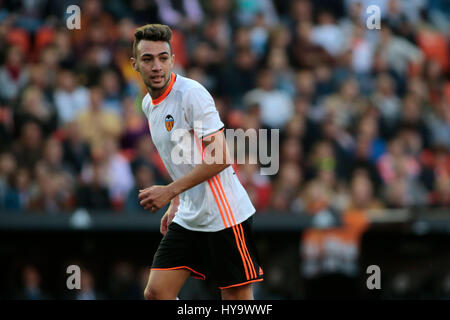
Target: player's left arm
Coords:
[(215, 159)]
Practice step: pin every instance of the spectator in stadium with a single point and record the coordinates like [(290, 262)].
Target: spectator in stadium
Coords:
[(411, 116), (291, 150), (49, 58), (368, 130), (63, 44), (327, 34), (388, 103), (238, 77), (286, 187), (259, 34), (123, 285), (362, 193), (88, 290), (146, 151), (92, 192), (51, 194), (440, 197), (247, 12), (308, 131), (439, 123), (398, 52), (31, 285), (76, 152), (13, 74), (368, 148), (139, 11), (341, 142), (19, 191), (276, 105), (396, 162), (33, 105), (8, 166), (403, 193), (27, 149), (306, 87), (96, 123), (119, 177), (279, 37), (97, 27), (400, 173), (38, 79), (362, 50), (143, 177), (306, 54), (52, 155), (433, 75), (314, 200), (346, 105), (134, 125), (278, 61), (113, 89), (411, 139), (417, 87), (70, 97), (257, 186), (185, 14), (299, 10)]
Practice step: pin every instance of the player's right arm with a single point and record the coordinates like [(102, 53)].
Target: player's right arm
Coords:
[(167, 218)]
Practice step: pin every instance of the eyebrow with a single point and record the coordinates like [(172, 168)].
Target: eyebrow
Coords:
[(151, 55)]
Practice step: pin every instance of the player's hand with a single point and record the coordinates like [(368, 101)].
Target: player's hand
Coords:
[(167, 218), (164, 223), (155, 197)]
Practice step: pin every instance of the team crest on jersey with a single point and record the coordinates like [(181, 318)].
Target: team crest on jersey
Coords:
[(169, 122)]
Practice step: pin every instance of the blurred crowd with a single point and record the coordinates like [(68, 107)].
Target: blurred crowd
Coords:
[(126, 281), (364, 115)]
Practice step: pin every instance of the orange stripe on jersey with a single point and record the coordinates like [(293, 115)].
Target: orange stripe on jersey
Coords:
[(167, 91), (221, 201), (240, 232), (218, 205), (210, 185)]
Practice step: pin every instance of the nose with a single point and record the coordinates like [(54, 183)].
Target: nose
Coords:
[(156, 65)]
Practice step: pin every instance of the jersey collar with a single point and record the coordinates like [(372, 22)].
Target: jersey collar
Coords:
[(167, 91)]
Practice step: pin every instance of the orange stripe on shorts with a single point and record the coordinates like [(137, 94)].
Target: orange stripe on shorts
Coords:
[(240, 233)]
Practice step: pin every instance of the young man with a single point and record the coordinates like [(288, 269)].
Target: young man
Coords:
[(207, 228)]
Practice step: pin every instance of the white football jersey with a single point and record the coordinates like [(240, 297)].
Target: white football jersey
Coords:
[(179, 119)]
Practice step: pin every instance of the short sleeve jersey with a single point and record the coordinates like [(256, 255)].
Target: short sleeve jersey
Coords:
[(179, 120)]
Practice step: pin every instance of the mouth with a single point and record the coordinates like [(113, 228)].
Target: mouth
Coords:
[(157, 79)]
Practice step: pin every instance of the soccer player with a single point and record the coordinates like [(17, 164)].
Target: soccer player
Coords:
[(207, 227)]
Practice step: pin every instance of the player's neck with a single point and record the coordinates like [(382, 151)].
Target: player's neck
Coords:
[(156, 93)]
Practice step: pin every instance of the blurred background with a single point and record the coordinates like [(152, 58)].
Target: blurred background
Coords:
[(364, 119)]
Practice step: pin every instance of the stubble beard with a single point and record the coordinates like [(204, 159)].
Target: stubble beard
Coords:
[(156, 89)]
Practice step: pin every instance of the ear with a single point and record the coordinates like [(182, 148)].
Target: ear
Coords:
[(173, 60), (134, 64)]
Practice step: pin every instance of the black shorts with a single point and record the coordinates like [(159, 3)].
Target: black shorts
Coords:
[(228, 256)]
